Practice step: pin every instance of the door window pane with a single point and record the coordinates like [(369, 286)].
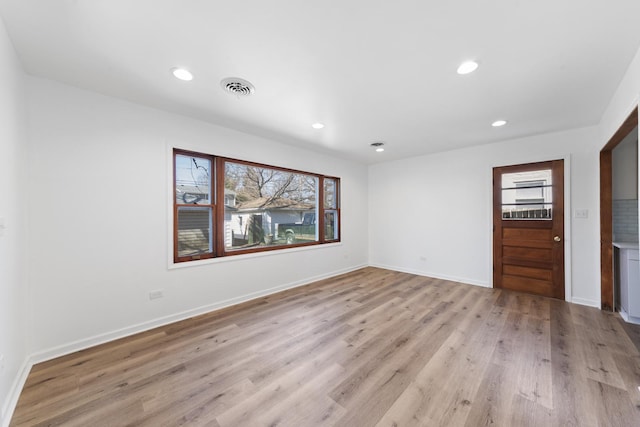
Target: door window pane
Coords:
[(527, 195)]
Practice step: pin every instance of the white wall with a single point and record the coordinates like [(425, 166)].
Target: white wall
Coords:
[(13, 237), (623, 101), (451, 193), (100, 196), (625, 168), (457, 245)]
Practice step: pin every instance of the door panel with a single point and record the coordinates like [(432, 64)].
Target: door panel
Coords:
[(531, 286), (528, 219), (526, 234), (527, 244), (534, 273), (526, 253)]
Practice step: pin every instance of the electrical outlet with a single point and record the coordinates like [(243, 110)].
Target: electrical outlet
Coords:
[(1, 362), (155, 294), (423, 258)]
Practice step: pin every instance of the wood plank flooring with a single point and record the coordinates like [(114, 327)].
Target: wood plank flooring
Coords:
[(369, 348)]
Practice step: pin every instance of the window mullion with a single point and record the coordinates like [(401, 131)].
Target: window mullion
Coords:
[(219, 206), (320, 221), (338, 219)]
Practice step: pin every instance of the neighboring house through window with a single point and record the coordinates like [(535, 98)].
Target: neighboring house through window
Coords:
[(527, 195), (264, 207)]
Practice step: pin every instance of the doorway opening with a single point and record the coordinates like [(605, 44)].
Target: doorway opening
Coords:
[(606, 211)]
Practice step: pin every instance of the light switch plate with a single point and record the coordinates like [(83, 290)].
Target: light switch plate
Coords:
[(582, 213), (157, 294)]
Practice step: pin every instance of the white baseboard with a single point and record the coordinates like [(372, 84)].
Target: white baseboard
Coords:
[(41, 356), (12, 399), (82, 344), (14, 393), (433, 275), (584, 301), (628, 318), (575, 300)]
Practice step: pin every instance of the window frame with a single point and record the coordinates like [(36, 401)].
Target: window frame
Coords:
[(212, 205), (324, 209), (218, 208)]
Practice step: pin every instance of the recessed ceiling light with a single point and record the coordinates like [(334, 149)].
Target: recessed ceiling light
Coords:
[(379, 149), (317, 125), (467, 67), (182, 74), (499, 123)]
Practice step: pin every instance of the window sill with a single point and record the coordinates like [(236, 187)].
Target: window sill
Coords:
[(232, 258)]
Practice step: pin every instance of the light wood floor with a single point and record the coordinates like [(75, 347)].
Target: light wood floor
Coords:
[(369, 348)]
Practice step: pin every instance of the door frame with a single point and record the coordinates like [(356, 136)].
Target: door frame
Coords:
[(567, 213), (606, 209), (557, 222)]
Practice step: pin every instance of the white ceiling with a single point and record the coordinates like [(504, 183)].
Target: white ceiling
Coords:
[(369, 70)]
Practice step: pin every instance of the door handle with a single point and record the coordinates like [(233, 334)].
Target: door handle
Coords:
[(557, 239)]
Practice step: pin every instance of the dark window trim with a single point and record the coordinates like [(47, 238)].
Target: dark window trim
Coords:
[(218, 209), (337, 209)]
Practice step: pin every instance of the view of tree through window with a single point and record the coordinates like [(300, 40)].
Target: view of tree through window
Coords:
[(262, 207), (272, 206)]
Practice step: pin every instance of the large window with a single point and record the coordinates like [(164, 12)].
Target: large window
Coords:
[(225, 207)]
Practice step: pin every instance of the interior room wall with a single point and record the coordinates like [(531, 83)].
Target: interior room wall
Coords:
[(622, 103), (13, 226), (448, 231), (625, 189), (100, 198), (625, 99), (437, 209), (625, 168)]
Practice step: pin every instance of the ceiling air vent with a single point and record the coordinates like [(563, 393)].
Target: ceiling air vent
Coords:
[(237, 86), (378, 146)]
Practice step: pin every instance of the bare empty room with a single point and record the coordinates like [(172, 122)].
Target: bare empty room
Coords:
[(353, 213)]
